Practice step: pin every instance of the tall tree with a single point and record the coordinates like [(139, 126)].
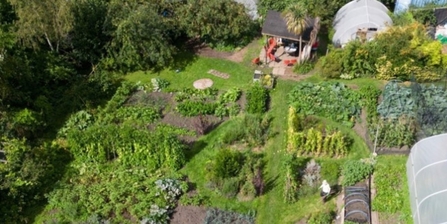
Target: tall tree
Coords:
[(43, 21), (142, 39), (91, 31), (216, 21)]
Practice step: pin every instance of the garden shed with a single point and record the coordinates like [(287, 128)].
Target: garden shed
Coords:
[(275, 26), (427, 180), (359, 19)]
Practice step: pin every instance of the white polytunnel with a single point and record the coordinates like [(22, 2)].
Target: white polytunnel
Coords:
[(427, 180), (368, 16)]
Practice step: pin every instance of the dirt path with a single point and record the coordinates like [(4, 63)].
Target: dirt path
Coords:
[(237, 56)]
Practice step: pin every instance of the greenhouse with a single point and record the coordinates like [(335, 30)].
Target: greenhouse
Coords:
[(359, 19), (404, 5), (427, 179)]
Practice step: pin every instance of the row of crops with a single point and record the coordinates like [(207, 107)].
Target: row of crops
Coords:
[(403, 114)]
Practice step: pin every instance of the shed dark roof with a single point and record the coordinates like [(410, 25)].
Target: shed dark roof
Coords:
[(275, 25)]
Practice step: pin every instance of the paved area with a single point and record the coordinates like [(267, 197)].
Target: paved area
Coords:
[(203, 83), (279, 68)]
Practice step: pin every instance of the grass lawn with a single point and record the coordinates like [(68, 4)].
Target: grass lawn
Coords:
[(198, 69)]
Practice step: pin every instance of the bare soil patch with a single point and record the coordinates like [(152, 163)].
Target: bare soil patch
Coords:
[(188, 215), (236, 56)]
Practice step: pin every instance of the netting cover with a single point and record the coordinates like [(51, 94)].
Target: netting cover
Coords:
[(427, 180), (359, 14)]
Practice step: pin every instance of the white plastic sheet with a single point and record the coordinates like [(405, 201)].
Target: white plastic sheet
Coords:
[(359, 14), (427, 180)]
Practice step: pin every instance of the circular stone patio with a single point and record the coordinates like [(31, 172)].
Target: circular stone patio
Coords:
[(203, 83)]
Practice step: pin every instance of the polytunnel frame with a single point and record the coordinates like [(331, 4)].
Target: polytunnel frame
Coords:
[(414, 188), (359, 14), (357, 191)]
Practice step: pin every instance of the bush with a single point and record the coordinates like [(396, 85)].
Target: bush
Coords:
[(330, 66), (257, 99), (227, 163), (330, 171), (304, 68), (230, 187), (320, 218), (354, 171), (252, 129)]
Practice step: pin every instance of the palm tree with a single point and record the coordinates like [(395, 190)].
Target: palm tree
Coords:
[(296, 18)]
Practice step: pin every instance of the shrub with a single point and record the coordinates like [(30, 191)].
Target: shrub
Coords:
[(257, 99), (230, 187), (80, 121), (330, 66), (234, 110), (252, 129), (311, 174), (354, 171), (227, 163), (330, 171), (303, 68), (320, 218)]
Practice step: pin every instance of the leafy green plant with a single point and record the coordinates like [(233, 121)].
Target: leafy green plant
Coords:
[(318, 99), (227, 163), (257, 99), (144, 115), (230, 187), (304, 68), (105, 190), (231, 95), (330, 66), (370, 97), (291, 178), (158, 84), (330, 170), (195, 108), (195, 200), (250, 128), (313, 140), (195, 94), (130, 146), (80, 121), (389, 178), (214, 215), (354, 171), (320, 218)]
